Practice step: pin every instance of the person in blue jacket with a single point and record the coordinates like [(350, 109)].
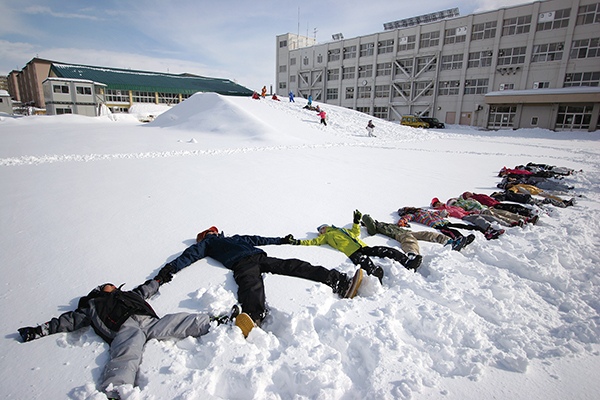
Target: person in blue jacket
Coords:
[(240, 254), (292, 97)]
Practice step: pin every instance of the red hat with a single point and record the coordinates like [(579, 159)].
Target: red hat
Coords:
[(202, 234), (435, 200)]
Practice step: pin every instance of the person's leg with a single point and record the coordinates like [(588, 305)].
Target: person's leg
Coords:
[(251, 290), (125, 355), (177, 326), (430, 236), (385, 252), (515, 208), (503, 215), (408, 242), (360, 258)]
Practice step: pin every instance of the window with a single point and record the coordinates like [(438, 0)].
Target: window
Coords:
[(320, 58), (382, 91), (332, 94), (407, 43), (428, 63), (507, 86), (574, 117), (589, 14), (385, 46), (144, 97), (293, 61), (366, 110), (554, 20), (402, 89), (348, 72), (292, 78), (116, 96), (168, 98), (364, 92), (547, 52), (367, 49), (283, 43), (61, 111), (380, 112), (582, 79), (502, 116), (84, 90), (61, 89), (430, 39), (452, 62), (585, 48), (516, 26), (404, 66), (446, 88), (485, 30), (349, 52), (480, 59), (384, 69), (455, 35), (349, 92), (365, 71), (476, 86), (534, 121), (282, 68), (282, 85), (423, 89), (305, 60), (333, 74), (541, 85), (511, 56), (333, 55)]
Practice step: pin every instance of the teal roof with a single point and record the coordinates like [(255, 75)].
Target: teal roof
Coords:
[(144, 81)]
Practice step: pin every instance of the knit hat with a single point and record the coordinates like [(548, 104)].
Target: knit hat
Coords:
[(434, 200), (320, 227), (451, 201), (203, 234)]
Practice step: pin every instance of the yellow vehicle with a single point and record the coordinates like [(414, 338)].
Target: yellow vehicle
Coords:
[(413, 121)]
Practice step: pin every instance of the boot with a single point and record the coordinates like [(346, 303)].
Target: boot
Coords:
[(370, 224), (414, 261), (346, 288)]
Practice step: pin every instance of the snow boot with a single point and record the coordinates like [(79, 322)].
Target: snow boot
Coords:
[(347, 288), (470, 239), (493, 233), (459, 243), (225, 319), (413, 262), (245, 323), (370, 224)]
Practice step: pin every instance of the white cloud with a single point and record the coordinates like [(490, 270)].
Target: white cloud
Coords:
[(47, 10)]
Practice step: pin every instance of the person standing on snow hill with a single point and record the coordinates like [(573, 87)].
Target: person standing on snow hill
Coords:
[(370, 128), (126, 322), (264, 91), (309, 100), (347, 242), (322, 115), (292, 97), (240, 254)]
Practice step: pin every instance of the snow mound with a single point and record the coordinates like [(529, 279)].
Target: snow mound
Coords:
[(211, 112)]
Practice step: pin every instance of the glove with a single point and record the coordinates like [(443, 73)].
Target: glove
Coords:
[(403, 224), (289, 239), (165, 274), (29, 333), (357, 216)]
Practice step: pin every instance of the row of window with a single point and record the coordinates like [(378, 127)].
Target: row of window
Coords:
[(569, 117), (448, 88), (64, 89), (122, 96)]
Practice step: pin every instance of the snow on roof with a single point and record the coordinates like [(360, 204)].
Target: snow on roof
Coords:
[(73, 80)]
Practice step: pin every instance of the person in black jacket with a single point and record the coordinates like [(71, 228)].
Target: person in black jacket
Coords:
[(126, 321), (239, 254)]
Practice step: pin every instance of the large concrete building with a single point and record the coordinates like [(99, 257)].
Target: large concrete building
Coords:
[(533, 65)]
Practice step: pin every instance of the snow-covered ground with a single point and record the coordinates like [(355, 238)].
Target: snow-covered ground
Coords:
[(86, 201)]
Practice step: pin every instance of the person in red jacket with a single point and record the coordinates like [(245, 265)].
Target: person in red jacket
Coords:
[(322, 115)]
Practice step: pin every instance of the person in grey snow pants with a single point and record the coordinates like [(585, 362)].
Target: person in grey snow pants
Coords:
[(126, 321)]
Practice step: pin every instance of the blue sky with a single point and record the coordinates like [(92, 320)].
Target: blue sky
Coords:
[(231, 39)]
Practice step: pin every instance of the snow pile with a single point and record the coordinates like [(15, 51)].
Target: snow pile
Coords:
[(91, 200)]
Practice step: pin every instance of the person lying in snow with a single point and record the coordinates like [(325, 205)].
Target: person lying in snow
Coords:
[(549, 197), (502, 217), (347, 242), (409, 239), (480, 222), (493, 203), (240, 254), (435, 220), (126, 322)]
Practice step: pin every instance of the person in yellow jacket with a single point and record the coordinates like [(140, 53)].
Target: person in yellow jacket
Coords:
[(535, 191), (347, 242)]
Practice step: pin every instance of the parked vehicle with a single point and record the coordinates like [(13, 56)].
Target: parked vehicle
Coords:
[(433, 122), (413, 121)]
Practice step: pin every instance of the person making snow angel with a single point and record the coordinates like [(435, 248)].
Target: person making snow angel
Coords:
[(240, 254), (126, 322), (347, 242)]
